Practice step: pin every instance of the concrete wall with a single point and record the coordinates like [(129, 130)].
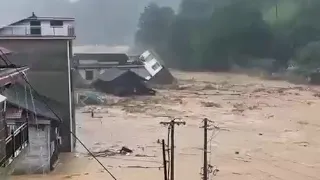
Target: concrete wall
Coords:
[(82, 73), (37, 158), (49, 74)]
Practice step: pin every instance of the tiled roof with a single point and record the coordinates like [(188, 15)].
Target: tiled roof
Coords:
[(18, 96)]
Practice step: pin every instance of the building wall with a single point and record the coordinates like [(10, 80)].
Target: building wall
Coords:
[(82, 73), (23, 28), (37, 159), (48, 62)]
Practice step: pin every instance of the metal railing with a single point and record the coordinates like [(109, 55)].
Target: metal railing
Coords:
[(38, 31), (15, 143)]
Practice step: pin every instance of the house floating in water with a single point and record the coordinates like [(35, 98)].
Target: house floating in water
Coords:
[(44, 44)]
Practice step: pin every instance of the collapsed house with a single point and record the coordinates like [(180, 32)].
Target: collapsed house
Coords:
[(155, 66), (122, 83), (88, 66)]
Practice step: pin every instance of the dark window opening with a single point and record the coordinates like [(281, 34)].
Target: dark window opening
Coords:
[(89, 75), (156, 66), (56, 23), (35, 27)]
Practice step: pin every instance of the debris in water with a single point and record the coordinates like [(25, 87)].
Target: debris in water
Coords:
[(125, 150), (143, 155), (316, 95), (211, 104), (105, 153)]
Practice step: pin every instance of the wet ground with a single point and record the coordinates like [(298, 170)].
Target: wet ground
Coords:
[(261, 130)]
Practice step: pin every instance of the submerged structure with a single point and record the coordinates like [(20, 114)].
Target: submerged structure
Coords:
[(122, 83)]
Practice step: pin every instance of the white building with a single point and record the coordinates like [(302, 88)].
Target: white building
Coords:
[(40, 26), (44, 44)]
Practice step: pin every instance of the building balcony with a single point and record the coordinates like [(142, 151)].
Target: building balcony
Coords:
[(43, 31), (14, 144)]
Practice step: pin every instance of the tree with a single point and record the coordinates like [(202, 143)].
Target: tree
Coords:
[(236, 30), (154, 27), (308, 57)]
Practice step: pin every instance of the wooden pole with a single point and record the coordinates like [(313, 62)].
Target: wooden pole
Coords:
[(164, 160), (205, 150), (171, 126), (172, 151)]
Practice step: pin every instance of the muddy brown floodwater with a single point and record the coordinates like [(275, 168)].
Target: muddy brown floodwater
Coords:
[(264, 130)]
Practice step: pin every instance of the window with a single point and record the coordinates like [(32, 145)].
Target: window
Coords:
[(89, 75), (35, 27), (149, 58), (56, 23), (156, 66)]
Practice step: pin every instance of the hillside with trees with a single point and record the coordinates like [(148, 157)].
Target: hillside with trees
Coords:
[(216, 34)]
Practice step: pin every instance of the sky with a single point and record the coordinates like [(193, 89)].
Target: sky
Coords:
[(110, 22)]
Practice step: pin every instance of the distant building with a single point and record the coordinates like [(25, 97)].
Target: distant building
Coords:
[(158, 72), (45, 45), (89, 66)]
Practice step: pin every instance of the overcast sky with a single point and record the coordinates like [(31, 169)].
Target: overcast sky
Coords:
[(119, 17)]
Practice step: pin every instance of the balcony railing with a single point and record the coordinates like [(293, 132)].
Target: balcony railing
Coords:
[(15, 143), (36, 31)]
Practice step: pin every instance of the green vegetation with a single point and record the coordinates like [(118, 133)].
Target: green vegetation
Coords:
[(216, 34)]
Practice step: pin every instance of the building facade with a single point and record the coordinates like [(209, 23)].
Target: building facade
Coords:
[(88, 66), (13, 142), (45, 45)]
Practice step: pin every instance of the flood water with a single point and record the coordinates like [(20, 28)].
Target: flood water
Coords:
[(266, 130)]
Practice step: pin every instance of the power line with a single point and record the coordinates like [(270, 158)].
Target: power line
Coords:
[(172, 124), (6, 60)]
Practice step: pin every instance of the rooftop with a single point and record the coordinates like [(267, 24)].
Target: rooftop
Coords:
[(32, 27), (8, 75), (102, 57), (30, 101), (100, 49)]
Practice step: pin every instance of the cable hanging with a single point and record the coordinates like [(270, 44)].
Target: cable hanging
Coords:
[(6, 60)]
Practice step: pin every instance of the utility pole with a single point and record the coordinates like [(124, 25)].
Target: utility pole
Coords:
[(207, 167), (277, 10), (164, 160), (172, 124), (205, 150)]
